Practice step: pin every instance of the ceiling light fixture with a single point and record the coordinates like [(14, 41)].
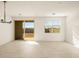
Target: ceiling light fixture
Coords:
[(4, 20)]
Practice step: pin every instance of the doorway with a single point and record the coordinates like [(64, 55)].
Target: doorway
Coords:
[(28, 27), (24, 30)]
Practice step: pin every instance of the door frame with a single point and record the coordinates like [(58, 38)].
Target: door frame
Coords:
[(24, 21)]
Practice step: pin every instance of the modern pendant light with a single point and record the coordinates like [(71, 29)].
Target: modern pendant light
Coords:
[(4, 20)]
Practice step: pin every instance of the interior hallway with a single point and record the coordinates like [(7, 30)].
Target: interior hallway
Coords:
[(22, 49)]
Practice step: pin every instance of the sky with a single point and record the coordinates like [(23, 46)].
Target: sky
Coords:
[(28, 24), (50, 23)]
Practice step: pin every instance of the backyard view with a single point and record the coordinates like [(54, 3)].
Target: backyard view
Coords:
[(52, 26), (28, 30)]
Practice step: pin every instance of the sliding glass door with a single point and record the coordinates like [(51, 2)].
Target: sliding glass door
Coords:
[(28, 27), (24, 30)]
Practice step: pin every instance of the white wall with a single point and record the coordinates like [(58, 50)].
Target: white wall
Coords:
[(68, 9), (52, 36), (39, 29), (40, 34), (73, 30), (72, 26), (6, 34)]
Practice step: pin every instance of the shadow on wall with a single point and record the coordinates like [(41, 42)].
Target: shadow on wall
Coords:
[(75, 39)]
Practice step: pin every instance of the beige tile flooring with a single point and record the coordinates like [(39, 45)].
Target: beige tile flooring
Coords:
[(26, 49)]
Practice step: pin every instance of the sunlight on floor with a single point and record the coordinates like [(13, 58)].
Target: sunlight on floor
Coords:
[(29, 39), (75, 40), (32, 43)]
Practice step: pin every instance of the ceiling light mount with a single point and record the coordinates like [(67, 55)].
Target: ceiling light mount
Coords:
[(53, 13)]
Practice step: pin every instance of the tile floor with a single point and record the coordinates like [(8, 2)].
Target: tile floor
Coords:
[(27, 49)]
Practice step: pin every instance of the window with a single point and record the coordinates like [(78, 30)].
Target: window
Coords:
[(29, 26), (52, 26)]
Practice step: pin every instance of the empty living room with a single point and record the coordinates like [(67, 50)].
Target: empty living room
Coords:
[(39, 29)]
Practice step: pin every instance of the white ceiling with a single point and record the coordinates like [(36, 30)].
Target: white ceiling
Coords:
[(40, 8), (45, 2)]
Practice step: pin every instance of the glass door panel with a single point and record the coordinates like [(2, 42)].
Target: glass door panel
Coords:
[(28, 30)]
